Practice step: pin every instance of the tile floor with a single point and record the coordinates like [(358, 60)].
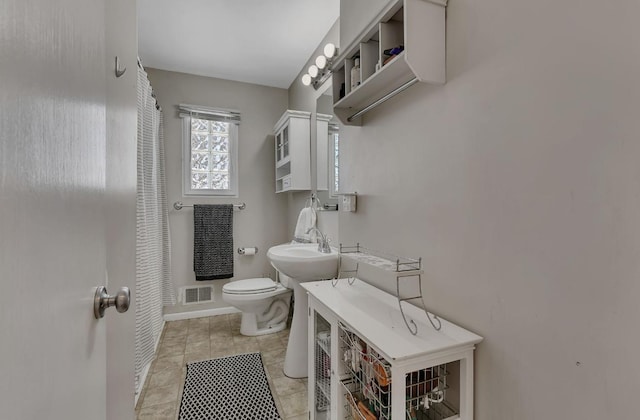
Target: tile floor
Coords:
[(206, 338)]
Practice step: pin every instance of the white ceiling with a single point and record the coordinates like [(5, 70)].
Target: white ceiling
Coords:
[(257, 41)]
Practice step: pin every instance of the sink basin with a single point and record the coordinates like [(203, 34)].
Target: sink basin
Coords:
[(301, 262), (304, 262)]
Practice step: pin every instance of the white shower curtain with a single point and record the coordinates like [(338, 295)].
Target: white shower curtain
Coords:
[(153, 263)]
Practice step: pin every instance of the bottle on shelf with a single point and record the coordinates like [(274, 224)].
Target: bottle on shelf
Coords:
[(355, 74)]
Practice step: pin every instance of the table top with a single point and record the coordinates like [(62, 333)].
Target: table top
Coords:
[(375, 315)]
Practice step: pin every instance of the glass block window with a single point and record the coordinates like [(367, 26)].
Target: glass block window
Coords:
[(210, 157)]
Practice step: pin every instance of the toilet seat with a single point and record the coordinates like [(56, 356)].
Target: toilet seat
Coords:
[(250, 286)]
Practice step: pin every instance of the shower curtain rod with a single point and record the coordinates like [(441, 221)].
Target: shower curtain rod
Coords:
[(178, 205)]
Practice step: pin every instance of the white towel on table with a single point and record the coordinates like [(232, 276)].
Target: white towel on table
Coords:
[(306, 220)]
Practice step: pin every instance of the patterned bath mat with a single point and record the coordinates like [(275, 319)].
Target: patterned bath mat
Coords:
[(229, 388)]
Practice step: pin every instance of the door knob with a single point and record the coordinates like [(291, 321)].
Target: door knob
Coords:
[(102, 301)]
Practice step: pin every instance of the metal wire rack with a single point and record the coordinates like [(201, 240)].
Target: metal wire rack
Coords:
[(367, 387), (323, 365), (400, 267)]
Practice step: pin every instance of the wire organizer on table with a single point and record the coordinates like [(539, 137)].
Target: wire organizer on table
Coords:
[(367, 387), (400, 267)]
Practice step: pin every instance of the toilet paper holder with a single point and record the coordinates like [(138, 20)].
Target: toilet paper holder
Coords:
[(243, 251)]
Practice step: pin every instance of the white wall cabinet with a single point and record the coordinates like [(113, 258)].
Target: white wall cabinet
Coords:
[(293, 151), (418, 26), (365, 364)]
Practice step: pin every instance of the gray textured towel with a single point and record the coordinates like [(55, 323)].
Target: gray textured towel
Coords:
[(213, 241)]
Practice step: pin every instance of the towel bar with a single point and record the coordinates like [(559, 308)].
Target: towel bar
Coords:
[(178, 205)]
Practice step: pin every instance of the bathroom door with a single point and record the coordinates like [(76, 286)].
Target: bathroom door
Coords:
[(53, 232)]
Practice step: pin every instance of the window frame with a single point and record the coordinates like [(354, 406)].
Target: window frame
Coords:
[(187, 190)]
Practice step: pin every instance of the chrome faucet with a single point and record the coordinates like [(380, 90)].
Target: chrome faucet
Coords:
[(323, 241)]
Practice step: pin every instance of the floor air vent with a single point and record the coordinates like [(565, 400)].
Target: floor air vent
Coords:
[(197, 294)]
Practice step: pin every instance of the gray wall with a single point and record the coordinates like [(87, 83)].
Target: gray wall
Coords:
[(263, 222), (518, 182), (358, 14)]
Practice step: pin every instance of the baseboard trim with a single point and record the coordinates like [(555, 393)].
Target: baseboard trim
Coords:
[(200, 314)]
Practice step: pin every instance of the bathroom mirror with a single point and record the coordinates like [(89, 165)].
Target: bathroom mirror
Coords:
[(327, 156)]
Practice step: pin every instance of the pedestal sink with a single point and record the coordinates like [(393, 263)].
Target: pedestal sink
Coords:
[(301, 262)]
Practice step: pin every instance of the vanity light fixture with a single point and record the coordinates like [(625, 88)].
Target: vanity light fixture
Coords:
[(330, 50), (321, 62), (313, 71), (319, 72)]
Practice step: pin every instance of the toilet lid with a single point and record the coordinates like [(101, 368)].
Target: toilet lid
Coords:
[(248, 286)]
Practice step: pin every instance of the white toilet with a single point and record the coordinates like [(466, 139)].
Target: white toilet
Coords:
[(263, 302)]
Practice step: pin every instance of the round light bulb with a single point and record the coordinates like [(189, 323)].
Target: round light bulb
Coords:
[(321, 62), (313, 71), (306, 80), (329, 50)]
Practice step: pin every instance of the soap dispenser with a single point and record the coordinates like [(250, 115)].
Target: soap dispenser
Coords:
[(355, 73)]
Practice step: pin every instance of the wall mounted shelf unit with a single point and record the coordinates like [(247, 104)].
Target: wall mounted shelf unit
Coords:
[(416, 25), (293, 153)]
